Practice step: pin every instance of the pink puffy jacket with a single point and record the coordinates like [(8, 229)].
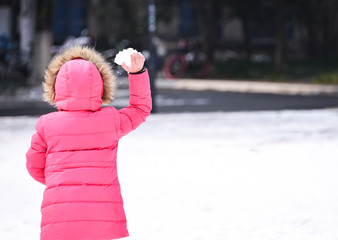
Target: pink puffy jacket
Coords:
[(73, 153)]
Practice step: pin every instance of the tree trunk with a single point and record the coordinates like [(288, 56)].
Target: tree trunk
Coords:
[(330, 32), (43, 41), (313, 29), (208, 21), (280, 34), (41, 56), (247, 37), (326, 31), (128, 8), (27, 28)]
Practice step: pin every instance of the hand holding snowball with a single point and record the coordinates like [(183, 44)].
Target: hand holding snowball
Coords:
[(136, 63), (131, 60)]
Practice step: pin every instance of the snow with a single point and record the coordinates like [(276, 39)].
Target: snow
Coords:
[(124, 56), (195, 176)]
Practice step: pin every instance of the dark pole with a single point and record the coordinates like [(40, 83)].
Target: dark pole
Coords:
[(152, 60)]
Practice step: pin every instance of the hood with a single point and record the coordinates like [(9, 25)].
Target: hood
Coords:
[(78, 86), (70, 73)]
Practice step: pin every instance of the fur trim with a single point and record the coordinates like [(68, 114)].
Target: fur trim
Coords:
[(85, 53)]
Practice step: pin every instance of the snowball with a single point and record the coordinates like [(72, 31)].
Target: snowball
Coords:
[(124, 56)]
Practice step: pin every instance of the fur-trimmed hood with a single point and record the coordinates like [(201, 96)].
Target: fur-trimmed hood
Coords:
[(85, 53)]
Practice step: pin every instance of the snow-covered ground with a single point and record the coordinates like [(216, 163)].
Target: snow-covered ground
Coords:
[(205, 176)]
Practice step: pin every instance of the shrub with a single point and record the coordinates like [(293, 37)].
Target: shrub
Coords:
[(327, 78)]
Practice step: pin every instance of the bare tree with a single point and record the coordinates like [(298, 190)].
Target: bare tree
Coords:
[(245, 10), (209, 14), (280, 34), (319, 20), (27, 28), (43, 41)]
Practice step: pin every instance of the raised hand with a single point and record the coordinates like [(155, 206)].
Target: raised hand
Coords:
[(137, 62)]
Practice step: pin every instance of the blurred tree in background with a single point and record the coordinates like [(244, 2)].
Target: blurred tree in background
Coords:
[(282, 39), (319, 20), (43, 40), (247, 11), (111, 21)]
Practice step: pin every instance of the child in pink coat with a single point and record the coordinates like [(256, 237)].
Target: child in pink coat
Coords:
[(73, 151)]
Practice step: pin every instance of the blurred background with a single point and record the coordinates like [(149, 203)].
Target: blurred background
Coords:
[(257, 40)]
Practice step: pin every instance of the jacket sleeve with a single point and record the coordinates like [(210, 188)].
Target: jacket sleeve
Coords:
[(139, 103), (36, 155)]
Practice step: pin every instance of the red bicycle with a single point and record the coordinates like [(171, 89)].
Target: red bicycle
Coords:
[(188, 61)]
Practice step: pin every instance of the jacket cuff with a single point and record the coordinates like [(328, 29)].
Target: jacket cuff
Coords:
[(139, 72)]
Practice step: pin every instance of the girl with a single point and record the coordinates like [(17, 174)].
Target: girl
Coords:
[(73, 151)]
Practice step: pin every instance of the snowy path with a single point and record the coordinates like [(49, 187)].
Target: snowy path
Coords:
[(206, 176)]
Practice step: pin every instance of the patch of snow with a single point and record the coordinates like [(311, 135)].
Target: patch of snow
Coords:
[(195, 176)]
